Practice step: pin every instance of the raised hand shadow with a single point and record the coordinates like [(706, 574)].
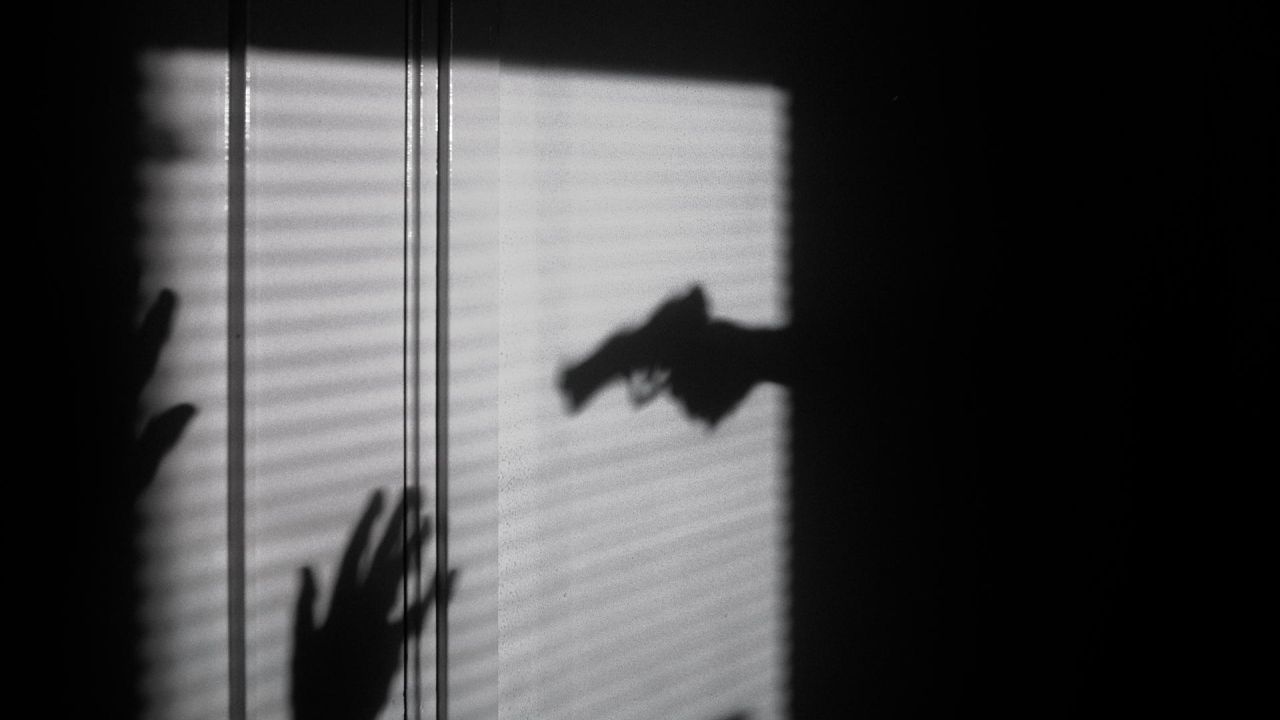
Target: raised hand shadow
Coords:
[(342, 668), (162, 430), (708, 365)]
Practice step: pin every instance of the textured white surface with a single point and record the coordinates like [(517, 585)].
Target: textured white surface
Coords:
[(642, 557), (324, 342), (632, 563), (325, 313), (184, 244)]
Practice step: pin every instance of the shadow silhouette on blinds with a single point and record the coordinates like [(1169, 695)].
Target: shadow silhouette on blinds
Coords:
[(640, 564), (642, 557), (325, 346), (182, 545)]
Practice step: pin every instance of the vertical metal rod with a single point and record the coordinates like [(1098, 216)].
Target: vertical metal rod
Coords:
[(444, 48), (237, 124), (412, 348)]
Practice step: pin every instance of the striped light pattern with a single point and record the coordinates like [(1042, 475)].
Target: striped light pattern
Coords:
[(325, 350), (183, 542), (618, 563), (642, 555), (325, 332)]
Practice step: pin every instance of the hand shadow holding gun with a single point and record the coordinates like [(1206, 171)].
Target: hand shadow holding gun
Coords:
[(709, 366), (342, 669)]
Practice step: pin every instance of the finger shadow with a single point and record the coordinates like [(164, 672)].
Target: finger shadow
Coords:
[(343, 666)]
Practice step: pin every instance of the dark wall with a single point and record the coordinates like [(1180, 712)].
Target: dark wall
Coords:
[(76, 476), (70, 508), (1044, 307), (891, 273), (1012, 250)]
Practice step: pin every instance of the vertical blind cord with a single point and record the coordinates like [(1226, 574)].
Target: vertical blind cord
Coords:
[(444, 119), (236, 141)]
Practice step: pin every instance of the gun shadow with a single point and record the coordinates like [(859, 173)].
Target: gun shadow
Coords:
[(708, 365)]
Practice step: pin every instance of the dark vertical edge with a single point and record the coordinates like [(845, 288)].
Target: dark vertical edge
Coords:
[(444, 47), (412, 587), (237, 129)]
